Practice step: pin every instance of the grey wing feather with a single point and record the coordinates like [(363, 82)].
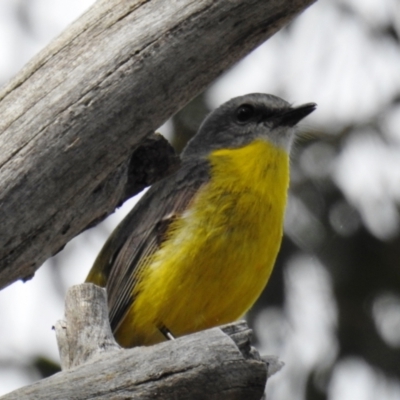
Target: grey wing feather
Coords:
[(140, 234)]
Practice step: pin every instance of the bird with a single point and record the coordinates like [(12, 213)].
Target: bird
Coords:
[(199, 247)]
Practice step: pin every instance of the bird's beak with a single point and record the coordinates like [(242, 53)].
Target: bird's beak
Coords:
[(295, 114)]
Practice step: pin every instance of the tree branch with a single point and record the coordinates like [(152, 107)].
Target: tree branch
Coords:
[(215, 364), (74, 115)]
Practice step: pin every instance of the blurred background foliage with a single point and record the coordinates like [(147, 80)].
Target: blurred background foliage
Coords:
[(331, 311)]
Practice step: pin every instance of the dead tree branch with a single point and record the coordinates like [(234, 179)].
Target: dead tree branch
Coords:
[(71, 119), (215, 364)]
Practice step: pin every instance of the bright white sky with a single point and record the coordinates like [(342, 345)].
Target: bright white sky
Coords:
[(333, 60)]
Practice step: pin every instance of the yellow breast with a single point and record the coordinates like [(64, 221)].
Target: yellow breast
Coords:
[(219, 255)]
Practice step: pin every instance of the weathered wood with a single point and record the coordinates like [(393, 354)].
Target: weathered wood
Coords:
[(273, 363), (73, 116), (213, 364), (154, 159), (85, 333), (207, 365)]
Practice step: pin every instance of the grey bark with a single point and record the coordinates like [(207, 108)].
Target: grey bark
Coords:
[(73, 117), (215, 364)]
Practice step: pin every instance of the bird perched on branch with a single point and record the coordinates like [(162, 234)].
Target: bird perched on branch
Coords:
[(199, 247)]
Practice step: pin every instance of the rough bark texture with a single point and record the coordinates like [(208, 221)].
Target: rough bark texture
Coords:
[(85, 333), (215, 364), (74, 115)]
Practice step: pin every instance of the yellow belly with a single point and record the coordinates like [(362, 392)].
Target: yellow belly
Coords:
[(219, 255)]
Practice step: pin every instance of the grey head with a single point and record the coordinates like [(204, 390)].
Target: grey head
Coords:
[(243, 119)]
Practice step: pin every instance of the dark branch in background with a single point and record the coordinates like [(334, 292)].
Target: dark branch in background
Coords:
[(72, 118)]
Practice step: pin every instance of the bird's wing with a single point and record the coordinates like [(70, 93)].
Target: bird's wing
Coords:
[(141, 233)]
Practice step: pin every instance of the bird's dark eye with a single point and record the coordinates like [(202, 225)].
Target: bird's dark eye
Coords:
[(244, 113)]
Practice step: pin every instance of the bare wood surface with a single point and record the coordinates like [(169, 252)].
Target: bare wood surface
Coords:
[(73, 116), (85, 333), (215, 364)]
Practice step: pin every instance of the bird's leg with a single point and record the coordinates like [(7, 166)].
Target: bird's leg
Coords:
[(166, 332)]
